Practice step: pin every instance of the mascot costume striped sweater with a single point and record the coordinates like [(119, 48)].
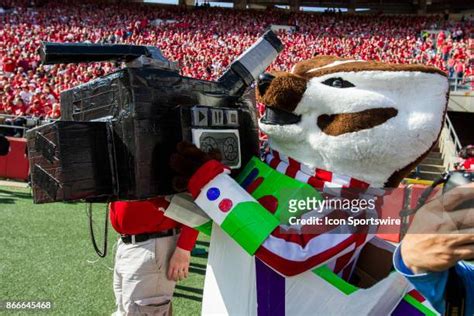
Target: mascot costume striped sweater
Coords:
[(332, 124)]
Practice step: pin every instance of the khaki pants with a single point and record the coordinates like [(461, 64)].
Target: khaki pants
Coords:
[(141, 286)]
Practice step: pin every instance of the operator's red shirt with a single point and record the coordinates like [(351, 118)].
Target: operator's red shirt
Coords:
[(139, 217)]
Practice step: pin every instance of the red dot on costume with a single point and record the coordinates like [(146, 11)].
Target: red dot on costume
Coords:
[(225, 205)]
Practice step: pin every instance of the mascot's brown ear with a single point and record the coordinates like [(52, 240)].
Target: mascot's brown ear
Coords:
[(283, 92)]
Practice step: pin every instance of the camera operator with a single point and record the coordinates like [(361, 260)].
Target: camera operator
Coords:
[(153, 253), (4, 145), (467, 154), (439, 238)]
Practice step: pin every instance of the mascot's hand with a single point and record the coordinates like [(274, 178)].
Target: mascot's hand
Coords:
[(187, 160)]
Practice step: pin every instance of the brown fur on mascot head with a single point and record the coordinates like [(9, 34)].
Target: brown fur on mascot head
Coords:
[(368, 120)]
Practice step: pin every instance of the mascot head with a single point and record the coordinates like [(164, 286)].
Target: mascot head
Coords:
[(368, 120)]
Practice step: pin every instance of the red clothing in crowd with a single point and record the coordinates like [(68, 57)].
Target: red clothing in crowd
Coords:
[(18, 110), (459, 67), (9, 65), (54, 114), (35, 110), (469, 163), (205, 42), (139, 217)]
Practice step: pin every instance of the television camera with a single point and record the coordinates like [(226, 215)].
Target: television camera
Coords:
[(117, 132)]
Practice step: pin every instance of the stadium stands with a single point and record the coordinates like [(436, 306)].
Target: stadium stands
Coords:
[(204, 41)]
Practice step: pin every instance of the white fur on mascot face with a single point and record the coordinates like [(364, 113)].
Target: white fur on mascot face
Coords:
[(375, 153)]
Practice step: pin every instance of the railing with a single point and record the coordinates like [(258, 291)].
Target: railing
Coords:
[(449, 144), (456, 84), (13, 127), (28, 123)]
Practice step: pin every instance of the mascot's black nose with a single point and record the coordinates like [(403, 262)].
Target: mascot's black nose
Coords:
[(264, 81)]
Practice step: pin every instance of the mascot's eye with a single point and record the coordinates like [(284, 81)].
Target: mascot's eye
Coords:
[(337, 83)]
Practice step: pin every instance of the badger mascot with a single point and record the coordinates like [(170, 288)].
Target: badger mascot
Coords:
[(331, 123)]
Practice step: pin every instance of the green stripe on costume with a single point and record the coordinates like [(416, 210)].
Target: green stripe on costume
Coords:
[(249, 224), (279, 185), (345, 287), (416, 304), (327, 274), (205, 228)]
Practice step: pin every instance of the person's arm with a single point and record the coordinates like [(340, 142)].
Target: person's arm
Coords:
[(257, 231), (252, 226), (180, 260), (432, 285), (183, 210), (188, 238), (227, 203), (439, 238), (440, 235)]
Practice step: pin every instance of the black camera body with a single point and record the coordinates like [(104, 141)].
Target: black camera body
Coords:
[(457, 178), (117, 132)]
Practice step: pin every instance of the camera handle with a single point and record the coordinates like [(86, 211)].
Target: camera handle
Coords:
[(406, 212), (426, 193)]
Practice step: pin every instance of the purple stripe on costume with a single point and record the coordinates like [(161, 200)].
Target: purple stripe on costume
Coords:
[(249, 179), (270, 291), (406, 309)]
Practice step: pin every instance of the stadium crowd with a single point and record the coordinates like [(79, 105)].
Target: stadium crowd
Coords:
[(204, 41)]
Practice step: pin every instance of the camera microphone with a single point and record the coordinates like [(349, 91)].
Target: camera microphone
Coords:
[(251, 63)]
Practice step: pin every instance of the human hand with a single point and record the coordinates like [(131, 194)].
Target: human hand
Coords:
[(179, 264), (440, 236)]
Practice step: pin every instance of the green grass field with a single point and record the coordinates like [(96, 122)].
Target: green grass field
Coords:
[(46, 254)]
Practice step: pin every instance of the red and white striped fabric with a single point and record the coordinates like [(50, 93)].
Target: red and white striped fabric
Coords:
[(292, 251), (323, 180)]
